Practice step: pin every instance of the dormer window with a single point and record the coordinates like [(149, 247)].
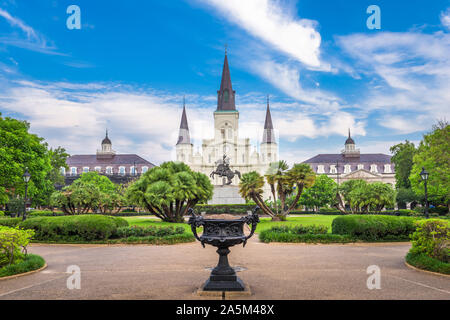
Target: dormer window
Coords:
[(98, 169), (144, 169), (85, 169), (373, 168), (122, 171), (333, 168), (63, 171), (109, 170), (387, 168), (347, 168), (320, 169), (73, 171), (360, 166)]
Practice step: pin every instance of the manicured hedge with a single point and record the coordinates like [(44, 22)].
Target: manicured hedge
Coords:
[(29, 263), (10, 222), (374, 227), (422, 261), (45, 213), (137, 231), (271, 236), (74, 228)]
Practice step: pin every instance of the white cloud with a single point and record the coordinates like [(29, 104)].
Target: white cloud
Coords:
[(269, 21), (33, 41), (410, 74), (445, 18)]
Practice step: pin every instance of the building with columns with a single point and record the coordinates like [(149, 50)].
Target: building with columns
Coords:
[(352, 164), (226, 141), (120, 168)]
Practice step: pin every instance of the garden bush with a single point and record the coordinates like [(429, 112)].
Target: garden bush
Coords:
[(374, 227), (422, 261), (2, 214), (274, 236), (13, 244), (10, 222), (74, 228), (45, 213), (300, 229), (29, 263), (137, 231), (432, 238)]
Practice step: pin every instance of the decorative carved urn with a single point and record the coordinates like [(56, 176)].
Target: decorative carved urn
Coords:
[(223, 234)]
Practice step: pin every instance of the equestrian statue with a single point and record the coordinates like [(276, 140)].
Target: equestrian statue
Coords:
[(223, 170)]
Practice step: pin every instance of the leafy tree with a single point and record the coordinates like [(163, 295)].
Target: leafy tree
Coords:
[(20, 149), (433, 154), (168, 191), (58, 159), (405, 196), (91, 191), (285, 182), (321, 194), (361, 196), (403, 154)]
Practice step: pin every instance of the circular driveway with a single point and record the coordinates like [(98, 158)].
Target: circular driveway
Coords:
[(273, 271)]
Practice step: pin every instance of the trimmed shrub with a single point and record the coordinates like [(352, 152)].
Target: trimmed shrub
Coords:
[(273, 236), (405, 212), (29, 263), (374, 227), (300, 229), (13, 244), (10, 222), (74, 228), (440, 210), (45, 213), (422, 261), (432, 238), (137, 231), (171, 239)]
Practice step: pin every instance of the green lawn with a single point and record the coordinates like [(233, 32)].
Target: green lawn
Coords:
[(265, 223)]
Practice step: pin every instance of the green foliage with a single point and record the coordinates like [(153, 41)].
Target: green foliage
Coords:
[(170, 239), (321, 194), (432, 238), (283, 182), (20, 149), (91, 191), (374, 227), (422, 261), (433, 153), (29, 263), (10, 222), (169, 190), (405, 195), (16, 206), (271, 236), (58, 159), (74, 228), (2, 214), (301, 229), (13, 243), (403, 154), (137, 231), (45, 213), (362, 196)]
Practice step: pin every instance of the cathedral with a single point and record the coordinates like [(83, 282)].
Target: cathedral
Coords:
[(226, 141)]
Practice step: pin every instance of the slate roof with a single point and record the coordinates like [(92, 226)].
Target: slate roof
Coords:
[(268, 136), (118, 159), (225, 85)]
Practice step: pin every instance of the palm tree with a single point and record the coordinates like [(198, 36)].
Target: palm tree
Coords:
[(301, 176), (273, 176), (251, 187)]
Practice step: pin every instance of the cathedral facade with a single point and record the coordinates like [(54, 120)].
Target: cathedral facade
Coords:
[(238, 152)]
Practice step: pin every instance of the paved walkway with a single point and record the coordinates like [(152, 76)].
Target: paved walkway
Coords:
[(274, 271)]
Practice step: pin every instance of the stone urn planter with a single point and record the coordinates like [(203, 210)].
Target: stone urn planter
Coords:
[(223, 234)]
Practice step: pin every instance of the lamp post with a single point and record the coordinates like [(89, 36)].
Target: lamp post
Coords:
[(424, 175), (26, 178)]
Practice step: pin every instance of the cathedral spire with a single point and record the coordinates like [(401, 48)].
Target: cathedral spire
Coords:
[(269, 135), (183, 136), (225, 96)]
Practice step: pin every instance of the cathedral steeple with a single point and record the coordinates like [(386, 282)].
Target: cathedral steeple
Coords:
[(183, 136), (225, 96), (268, 136)]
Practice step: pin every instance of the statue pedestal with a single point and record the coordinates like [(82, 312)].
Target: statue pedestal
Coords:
[(226, 195)]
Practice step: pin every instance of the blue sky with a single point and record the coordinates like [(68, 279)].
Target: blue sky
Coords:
[(131, 62)]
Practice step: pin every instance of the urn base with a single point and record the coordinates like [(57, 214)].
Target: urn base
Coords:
[(227, 284)]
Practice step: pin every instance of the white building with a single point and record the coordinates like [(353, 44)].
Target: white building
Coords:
[(226, 140)]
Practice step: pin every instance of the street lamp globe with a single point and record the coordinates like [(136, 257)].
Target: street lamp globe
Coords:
[(26, 176), (424, 174)]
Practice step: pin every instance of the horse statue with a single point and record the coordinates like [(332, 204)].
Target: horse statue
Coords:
[(223, 170)]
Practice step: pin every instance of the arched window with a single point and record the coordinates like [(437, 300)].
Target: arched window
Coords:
[(109, 170), (63, 171), (333, 168), (73, 171), (144, 169), (122, 170), (373, 168), (387, 168)]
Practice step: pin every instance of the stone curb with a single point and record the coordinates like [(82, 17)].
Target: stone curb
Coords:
[(24, 274), (422, 270)]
